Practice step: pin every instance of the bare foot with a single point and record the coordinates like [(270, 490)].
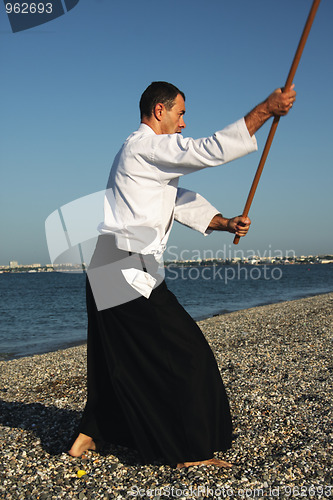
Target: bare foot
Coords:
[(212, 461), (82, 444)]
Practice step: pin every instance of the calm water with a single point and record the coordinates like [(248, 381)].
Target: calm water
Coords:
[(41, 312)]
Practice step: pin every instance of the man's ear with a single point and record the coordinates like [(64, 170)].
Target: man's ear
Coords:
[(159, 111)]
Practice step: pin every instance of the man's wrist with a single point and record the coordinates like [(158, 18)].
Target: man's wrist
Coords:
[(219, 223), (257, 117)]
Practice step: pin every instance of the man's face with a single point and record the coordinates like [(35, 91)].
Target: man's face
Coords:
[(173, 120)]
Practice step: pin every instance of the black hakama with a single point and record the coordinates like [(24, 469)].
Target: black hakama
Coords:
[(153, 382)]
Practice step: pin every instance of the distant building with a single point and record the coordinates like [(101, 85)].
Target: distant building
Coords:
[(13, 264)]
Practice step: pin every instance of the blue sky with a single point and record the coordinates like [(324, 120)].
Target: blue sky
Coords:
[(70, 92)]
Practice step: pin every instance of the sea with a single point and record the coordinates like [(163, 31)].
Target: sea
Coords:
[(43, 312)]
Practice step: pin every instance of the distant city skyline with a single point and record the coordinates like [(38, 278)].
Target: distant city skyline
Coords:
[(194, 258), (72, 87)]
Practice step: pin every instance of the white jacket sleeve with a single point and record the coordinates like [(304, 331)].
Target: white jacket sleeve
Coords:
[(175, 155), (194, 210)]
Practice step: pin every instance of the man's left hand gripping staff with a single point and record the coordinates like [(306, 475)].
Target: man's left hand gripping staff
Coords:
[(237, 225)]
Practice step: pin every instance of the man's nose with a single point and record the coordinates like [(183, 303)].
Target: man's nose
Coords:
[(182, 124)]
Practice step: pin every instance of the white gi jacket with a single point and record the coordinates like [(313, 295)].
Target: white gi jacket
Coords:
[(142, 197)]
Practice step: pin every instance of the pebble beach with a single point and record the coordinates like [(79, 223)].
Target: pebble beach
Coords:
[(276, 364)]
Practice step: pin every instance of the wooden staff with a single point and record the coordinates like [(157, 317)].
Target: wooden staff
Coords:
[(275, 123)]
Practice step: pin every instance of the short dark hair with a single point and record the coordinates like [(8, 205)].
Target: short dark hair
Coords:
[(162, 92)]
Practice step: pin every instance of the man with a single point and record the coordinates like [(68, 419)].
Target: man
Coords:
[(153, 382)]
